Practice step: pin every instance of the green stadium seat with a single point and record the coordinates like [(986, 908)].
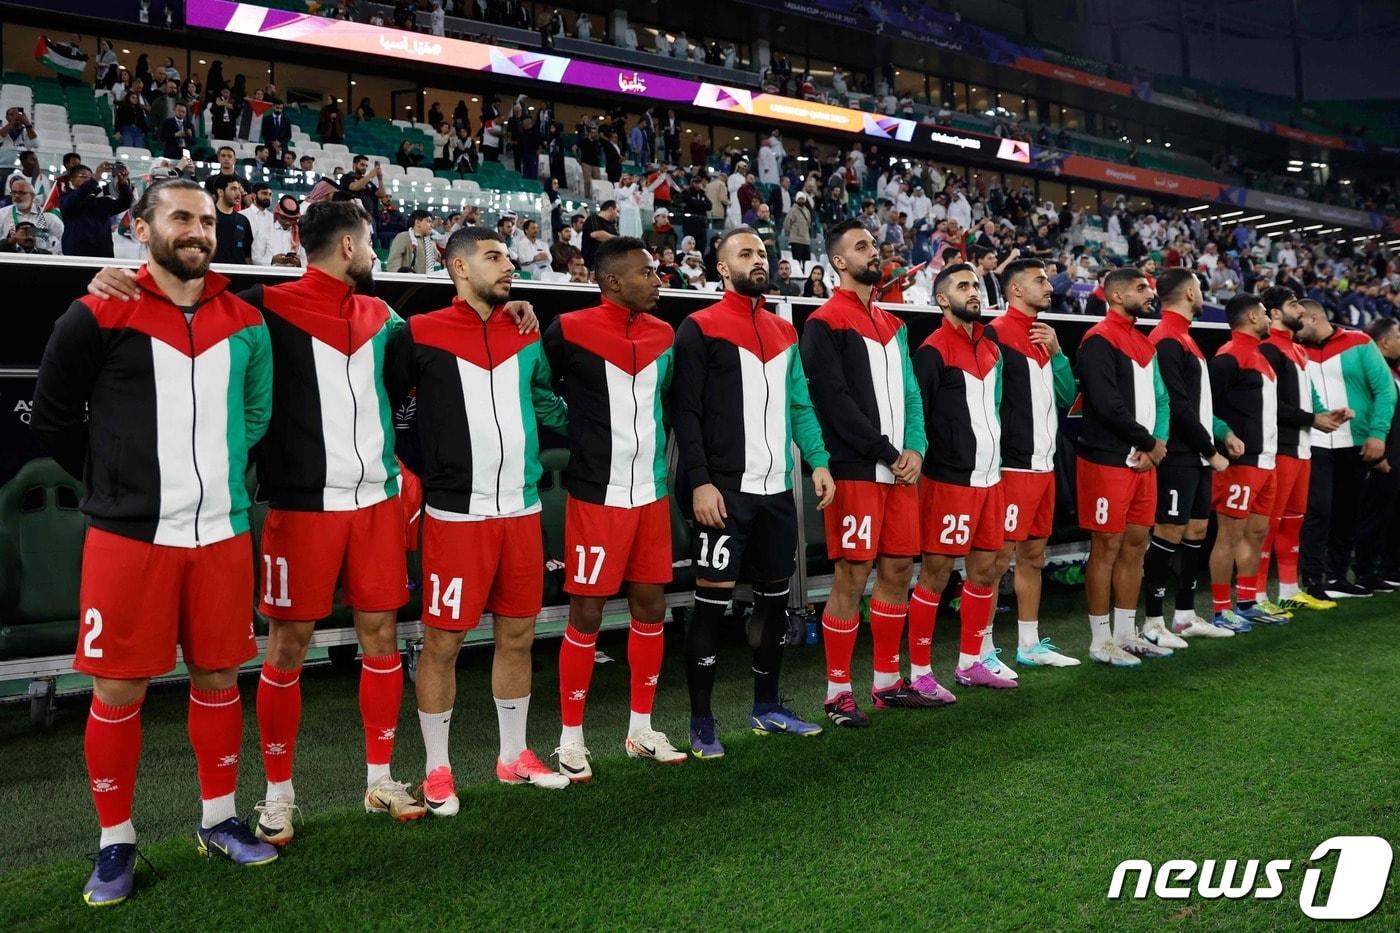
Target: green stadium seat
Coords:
[(41, 547)]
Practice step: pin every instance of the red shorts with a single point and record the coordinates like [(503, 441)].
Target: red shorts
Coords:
[(1291, 478), (305, 554), (1030, 504), (960, 519), (1110, 498), (1244, 490), (606, 545), (495, 565), (137, 601), (867, 520)]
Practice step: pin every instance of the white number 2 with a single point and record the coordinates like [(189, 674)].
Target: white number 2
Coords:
[(1239, 497), (853, 529), (93, 619), (956, 530), (283, 600), (1101, 511), (582, 575), (451, 596)]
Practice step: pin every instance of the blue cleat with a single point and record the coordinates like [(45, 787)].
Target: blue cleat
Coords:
[(1233, 621), (113, 875), (703, 741), (235, 841), (1257, 615), (776, 719)]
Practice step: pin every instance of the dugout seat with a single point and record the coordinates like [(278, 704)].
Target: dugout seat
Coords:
[(553, 499), (41, 551)]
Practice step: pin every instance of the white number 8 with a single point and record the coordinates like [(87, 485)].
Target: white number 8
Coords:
[(1013, 515), (1101, 511)]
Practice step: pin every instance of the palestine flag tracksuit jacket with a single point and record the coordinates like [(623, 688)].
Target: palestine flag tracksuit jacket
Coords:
[(1245, 394), (156, 413), (1193, 427), (1298, 401), (1033, 383), (740, 399), (959, 375), (330, 445), (867, 401), (1125, 403), (480, 385), (614, 368), (1349, 372)]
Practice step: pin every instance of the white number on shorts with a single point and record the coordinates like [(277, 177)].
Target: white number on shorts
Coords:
[(93, 619), (283, 600), (451, 597), (583, 576), (1239, 498), (855, 528), (1101, 511), (1175, 509), (956, 530), (717, 560), (1013, 516)]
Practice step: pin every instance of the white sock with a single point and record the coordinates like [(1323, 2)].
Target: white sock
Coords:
[(835, 689), (885, 680), (1287, 591), (1098, 629), (918, 670), (638, 722), (1124, 624), (114, 835), (1184, 615), (217, 810), (375, 773), (435, 727), (281, 789), (1150, 619), (1028, 633), (987, 646), (966, 660), (571, 734), (511, 717)]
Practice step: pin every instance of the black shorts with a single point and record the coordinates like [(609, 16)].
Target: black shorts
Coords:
[(758, 542), (1183, 493)]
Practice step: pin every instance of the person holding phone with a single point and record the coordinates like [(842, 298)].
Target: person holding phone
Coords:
[(364, 185), (19, 133)]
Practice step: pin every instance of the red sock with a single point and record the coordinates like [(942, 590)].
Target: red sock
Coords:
[(1246, 589), (575, 672), (216, 732), (279, 719), (839, 639), (886, 625), (1220, 597), (645, 647), (112, 747), (923, 611), (974, 615), (1290, 528), (381, 695)]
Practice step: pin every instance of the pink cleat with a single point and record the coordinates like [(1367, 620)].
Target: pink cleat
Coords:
[(528, 769), (927, 686), (978, 675)]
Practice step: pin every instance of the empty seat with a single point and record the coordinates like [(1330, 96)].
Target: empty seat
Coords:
[(41, 544), (419, 174)]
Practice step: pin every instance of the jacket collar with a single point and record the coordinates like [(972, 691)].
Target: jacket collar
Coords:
[(957, 333), (1021, 318), (1174, 323), (462, 306), (739, 304), (326, 286), (215, 284), (851, 297)]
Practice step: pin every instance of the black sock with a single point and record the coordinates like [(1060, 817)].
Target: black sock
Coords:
[(770, 613), (1157, 573), (1190, 552), (702, 645)]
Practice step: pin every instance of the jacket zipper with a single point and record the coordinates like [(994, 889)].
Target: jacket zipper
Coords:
[(767, 397), (500, 435), (354, 411), (636, 413), (987, 410), (194, 427), (889, 396)]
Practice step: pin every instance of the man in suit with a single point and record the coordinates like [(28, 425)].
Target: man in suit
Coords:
[(177, 133), (276, 130)]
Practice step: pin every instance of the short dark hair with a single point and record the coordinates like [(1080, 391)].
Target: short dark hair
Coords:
[(834, 235), (561, 254), (606, 205), (1276, 296), (1120, 277), (1017, 266), (1380, 327), (977, 253), (741, 230), (223, 181), (948, 272), (418, 215), (360, 157), (1172, 282), (222, 149), (950, 252), (1237, 308), (150, 198), (464, 242), (610, 251), (325, 222)]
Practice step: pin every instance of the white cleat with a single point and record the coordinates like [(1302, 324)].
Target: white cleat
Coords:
[(1044, 654), (1196, 627), (992, 662), (274, 820), (1156, 631), (1107, 652), (653, 745), (574, 762), (1136, 645)]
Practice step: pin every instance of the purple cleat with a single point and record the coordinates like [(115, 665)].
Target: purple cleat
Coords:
[(235, 841), (704, 743), (927, 686), (979, 676), (113, 875)]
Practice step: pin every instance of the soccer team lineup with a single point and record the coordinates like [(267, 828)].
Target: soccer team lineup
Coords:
[(930, 464)]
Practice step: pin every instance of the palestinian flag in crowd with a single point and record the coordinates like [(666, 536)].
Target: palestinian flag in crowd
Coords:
[(68, 60), (250, 119)]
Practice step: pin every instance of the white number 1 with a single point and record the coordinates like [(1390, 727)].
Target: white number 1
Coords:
[(284, 600), (583, 576)]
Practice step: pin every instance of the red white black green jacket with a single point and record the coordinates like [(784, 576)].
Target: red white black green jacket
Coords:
[(156, 413), (613, 368), (959, 376), (330, 445), (1349, 372), (481, 386), (740, 399), (1182, 365), (1245, 393), (1125, 402), (1297, 398), (1033, 383), (862, 382)]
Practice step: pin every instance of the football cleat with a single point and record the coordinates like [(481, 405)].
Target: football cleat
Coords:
[(1258, 616), (1108, 652), (1344, 589), (923, 693), (274, 821), (1232, 621), (979, 675), (1196, 627), (439, 792), (653, 746), (113, 875), (1306, 600), (1044, 654), (1156, 631), (704, 743), (1375, 584), (528, 769), (234, 841), (776, 719), (1274, 609), (394, 798), (843, 711), (1140, 647), (992, 662), (574, 762)]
